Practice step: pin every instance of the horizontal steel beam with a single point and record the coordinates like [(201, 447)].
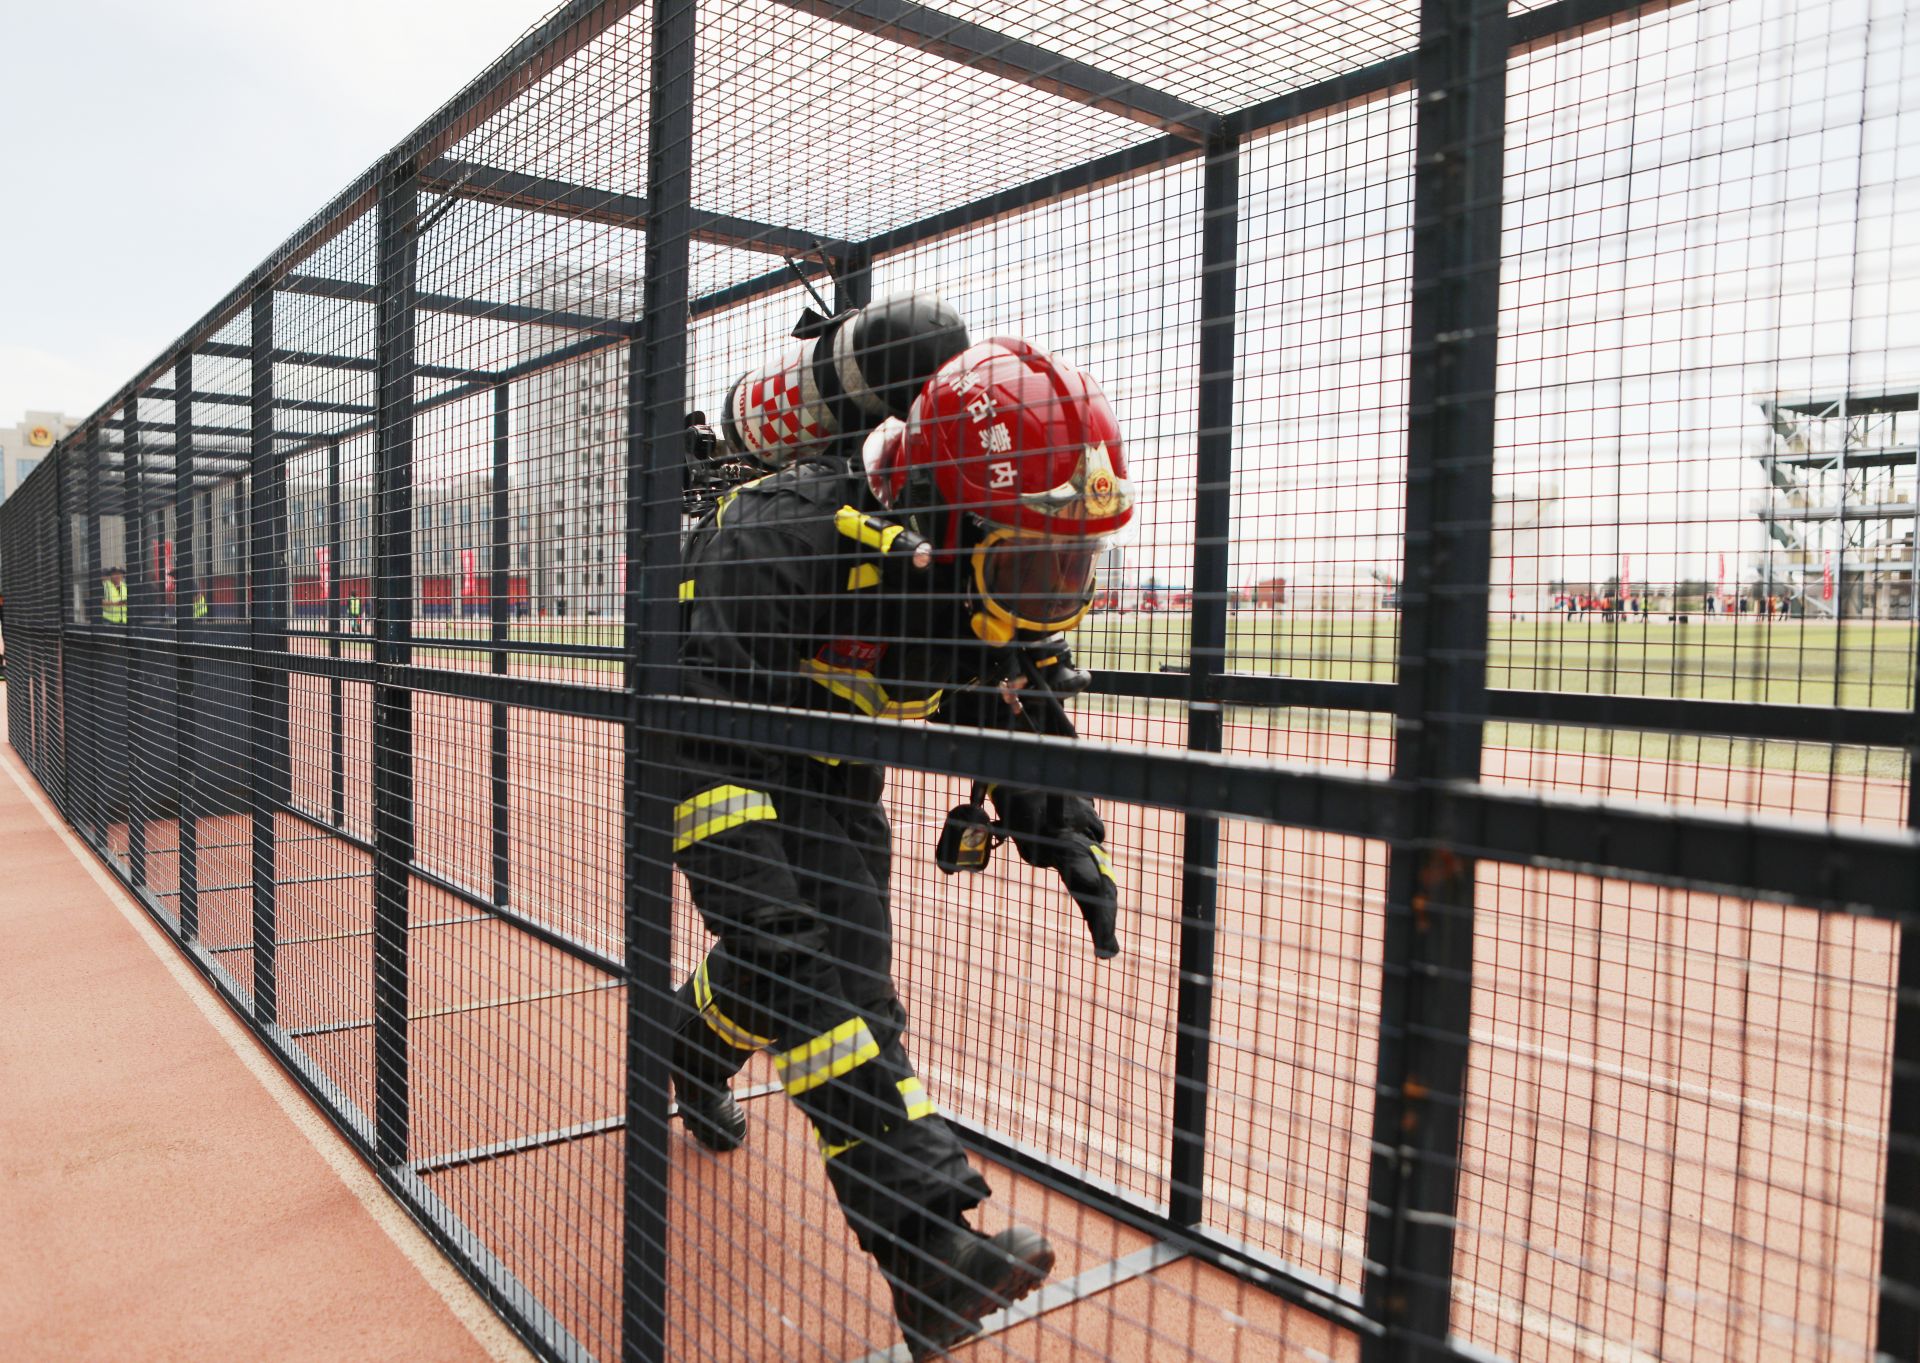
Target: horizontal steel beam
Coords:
[(242, 400), (484, 308), (1031, 193), (772, 281), (1847, 867), (986, 49), (1555, 21), (1236, 787), (318, 360), (1848, 511), (587, 203), (1846, 725), (1365, 82)]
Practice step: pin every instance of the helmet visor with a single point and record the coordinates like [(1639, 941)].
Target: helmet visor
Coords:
[(1035, 582)]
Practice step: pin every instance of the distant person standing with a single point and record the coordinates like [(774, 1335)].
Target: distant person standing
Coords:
[(113, 598), (353, 611)]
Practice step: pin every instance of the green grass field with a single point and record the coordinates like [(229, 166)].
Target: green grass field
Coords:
[(1866, 664), (1788, 662), (1783, 662)]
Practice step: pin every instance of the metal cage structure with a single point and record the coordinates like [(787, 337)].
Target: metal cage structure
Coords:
[(1504, 978)]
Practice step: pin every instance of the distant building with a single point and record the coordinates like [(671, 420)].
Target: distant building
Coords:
[(22, 447), (572, 452)]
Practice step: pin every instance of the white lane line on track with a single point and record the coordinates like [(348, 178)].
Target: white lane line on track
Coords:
[(1715, 1097), (1556, 1329), (487, 1329)]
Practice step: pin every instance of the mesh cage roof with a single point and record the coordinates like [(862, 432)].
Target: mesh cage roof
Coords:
[(1222, 57), (827, 131)]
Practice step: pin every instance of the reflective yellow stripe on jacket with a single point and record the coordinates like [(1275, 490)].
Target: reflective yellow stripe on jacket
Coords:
[(723, 1026), (717, 810), (827, 1056), (866, 693)]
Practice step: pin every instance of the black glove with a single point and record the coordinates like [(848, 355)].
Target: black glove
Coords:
[(1065, 833)]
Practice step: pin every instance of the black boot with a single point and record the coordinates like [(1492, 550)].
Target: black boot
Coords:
[(944, 1284), (712, 1116), (703, 1066)]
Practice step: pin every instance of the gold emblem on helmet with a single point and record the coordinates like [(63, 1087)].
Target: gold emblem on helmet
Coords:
[(1093, 493), (1102, 500)]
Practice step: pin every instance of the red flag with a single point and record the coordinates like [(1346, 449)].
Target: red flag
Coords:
[(469, 588), (1826, 578), (1723, 572)]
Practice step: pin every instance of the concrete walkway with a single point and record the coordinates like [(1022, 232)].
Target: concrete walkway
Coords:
[(165, 1192)]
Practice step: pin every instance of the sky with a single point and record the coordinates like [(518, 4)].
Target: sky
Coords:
[(156, 153)]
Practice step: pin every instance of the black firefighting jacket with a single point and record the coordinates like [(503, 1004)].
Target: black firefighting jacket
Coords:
[(795, 593)]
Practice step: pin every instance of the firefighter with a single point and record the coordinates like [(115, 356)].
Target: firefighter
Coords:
[(937, 511)]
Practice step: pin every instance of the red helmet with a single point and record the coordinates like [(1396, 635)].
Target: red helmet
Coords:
[(1013, 457)]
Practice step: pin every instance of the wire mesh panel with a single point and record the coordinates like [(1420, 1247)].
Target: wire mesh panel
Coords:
[(867, 680)]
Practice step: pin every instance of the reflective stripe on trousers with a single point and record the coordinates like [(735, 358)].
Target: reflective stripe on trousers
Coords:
[(723, 1026), (717, 810), (828, 1056)]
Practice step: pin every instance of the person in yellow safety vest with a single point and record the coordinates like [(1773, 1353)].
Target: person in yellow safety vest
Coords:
[(113, 597), (199, 604), (353, 610)]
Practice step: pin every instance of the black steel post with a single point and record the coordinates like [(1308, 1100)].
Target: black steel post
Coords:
[(1200, 872), (139, 716), (186, 577), (267, 677), (60, 676), (393, 833), (497, 607), (93, 512), (336, 709), (1899, 1312), (853, 279), (656, 408), (92, 661), (1440, 698)]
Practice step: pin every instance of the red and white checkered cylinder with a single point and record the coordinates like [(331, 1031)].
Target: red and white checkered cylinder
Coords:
[(776, 410)]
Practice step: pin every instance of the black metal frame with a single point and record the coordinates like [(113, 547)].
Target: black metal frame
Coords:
[(1435, 814), (392, 606)]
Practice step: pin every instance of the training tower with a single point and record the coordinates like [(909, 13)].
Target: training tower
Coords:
[(1839, 504)]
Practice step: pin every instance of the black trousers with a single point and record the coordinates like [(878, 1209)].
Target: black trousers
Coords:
[(788, 861)]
